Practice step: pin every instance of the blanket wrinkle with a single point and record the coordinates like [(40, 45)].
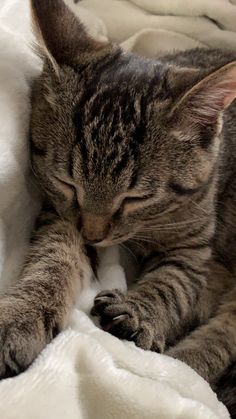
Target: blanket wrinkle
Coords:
[(222, 13), (85, 372), (200, 20)]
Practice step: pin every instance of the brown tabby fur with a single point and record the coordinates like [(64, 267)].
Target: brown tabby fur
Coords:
[(131, 150)]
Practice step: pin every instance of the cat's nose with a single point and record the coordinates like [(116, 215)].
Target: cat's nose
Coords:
[(94, 228)]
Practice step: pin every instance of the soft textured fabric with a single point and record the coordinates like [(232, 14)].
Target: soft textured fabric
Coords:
[(85, 372), (152, 27)]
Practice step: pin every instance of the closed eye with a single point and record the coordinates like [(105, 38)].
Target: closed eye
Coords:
[(131, 203), (64, 182), (65, 187), (137, 199), (134, 203)]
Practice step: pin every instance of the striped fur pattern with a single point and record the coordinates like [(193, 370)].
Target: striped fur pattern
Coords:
[(139, 152)]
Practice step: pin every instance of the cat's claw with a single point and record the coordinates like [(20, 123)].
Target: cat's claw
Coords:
[(104, 298), (120, 317), (115, 321), (98, 299)]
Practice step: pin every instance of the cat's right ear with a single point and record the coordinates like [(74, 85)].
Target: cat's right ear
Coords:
[(205, 102), (61, 36)]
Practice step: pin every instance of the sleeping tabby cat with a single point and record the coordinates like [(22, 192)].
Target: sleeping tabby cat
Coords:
[(141, 151)]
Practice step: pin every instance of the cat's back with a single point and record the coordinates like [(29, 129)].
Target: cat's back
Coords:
[(200, 58)]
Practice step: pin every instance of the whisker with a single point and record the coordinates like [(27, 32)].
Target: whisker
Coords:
[(137, 239), (170, 226), (137, 242), (129, 250), (199, 207)]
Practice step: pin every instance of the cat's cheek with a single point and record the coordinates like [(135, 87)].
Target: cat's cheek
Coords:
[(115, 238), (121, 234)]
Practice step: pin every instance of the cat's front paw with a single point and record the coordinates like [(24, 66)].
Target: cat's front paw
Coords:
[(23, 335), (123, 317)]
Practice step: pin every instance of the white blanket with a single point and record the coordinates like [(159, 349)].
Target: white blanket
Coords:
[(152, 27), (85, 372)]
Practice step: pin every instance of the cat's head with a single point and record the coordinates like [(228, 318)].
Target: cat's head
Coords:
[(119, 139)]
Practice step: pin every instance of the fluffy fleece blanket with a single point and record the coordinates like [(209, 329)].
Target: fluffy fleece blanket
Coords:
[(85, 372), (152, 27)]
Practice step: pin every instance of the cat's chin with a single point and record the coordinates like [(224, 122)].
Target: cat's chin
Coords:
[(110, 242), (107, 243)]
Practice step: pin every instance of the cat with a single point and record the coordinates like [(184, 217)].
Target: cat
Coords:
[(137, 151)]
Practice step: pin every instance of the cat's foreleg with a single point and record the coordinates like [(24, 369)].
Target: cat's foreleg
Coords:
[(38, 307), (163, 304), (211, 348)]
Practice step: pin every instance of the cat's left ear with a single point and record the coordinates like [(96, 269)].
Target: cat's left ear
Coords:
[(204, 103), (61, 37)]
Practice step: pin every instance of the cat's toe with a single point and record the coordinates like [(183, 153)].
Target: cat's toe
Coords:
[(105, 299), (143, 338), (115, 295)]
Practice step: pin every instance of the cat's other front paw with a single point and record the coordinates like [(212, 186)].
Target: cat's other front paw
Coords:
[(123, 317), (195, 356), (23, 334)]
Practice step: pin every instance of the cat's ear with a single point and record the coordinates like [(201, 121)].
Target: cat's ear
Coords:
[(61, 36), (204, 103)]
